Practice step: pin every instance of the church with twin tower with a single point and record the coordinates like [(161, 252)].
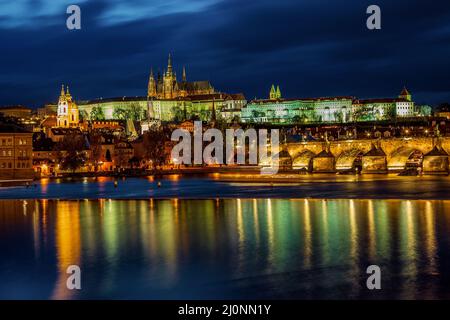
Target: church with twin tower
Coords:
[(67, 112)]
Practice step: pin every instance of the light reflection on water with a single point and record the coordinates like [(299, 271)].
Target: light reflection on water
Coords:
[(242, 248)]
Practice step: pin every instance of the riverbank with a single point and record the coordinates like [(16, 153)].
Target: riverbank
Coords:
[(218, 186), (14, 183)]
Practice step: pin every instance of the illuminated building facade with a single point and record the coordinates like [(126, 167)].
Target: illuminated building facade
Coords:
[(331, 109), (67, 114), (226, 106), (16, 151), (167, 99), (168, 87)]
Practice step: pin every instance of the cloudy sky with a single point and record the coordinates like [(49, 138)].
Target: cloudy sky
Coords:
[(309, 47)]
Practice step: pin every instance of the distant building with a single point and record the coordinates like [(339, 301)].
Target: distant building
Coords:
[(329, 109), (58, 134), (443, 111), (19, 112), (49, 110), (16, 150)]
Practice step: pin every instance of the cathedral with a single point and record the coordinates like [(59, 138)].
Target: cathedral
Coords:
[(168, 87), (67, 114)]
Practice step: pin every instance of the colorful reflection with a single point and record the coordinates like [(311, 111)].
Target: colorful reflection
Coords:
[(217, 249)]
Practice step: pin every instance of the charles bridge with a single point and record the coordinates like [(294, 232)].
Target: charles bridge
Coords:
[(426, 154)]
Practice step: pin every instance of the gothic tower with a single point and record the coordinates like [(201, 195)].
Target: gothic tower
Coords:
[(278, 93), (272, 94), (169, 81), (405, 94), (151, 90)]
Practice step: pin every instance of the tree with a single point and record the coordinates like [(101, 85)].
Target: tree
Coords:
[(135, 112), (154, 143), (71, 149), (205, 115), (97, 113), (178, 114), (296, 119), (425, 110), (120, 113), (391, 113), (83, 115)]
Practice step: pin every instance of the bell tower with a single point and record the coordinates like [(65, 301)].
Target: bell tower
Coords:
[(67, 112)]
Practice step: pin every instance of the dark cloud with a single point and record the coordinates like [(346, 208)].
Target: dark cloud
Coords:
[(309, 48)]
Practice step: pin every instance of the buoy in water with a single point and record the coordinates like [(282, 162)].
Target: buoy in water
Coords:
[(116, 183), (159, 184)]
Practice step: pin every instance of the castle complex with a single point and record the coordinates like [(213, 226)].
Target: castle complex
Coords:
[(327, 109), (168, 87), (170, 99)]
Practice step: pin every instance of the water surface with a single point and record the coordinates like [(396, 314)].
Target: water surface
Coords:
[(224, 249), (211, 187)]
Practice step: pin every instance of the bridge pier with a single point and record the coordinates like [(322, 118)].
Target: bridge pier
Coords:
[(374, 161), (436, 162), (324, 162)]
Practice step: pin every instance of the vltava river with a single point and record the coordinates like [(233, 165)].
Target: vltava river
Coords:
[(222, 249)]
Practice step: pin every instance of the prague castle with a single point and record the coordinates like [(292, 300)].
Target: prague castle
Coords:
[(168, 87), (339, 109), (171, 99), (167, 99)]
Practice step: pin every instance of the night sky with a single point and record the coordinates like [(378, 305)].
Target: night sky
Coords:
[(310, 48)]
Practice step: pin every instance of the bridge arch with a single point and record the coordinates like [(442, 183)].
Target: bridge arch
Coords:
[(405, 157), (350, 159), (303, 160)]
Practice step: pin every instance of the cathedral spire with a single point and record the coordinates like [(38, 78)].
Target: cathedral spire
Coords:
[(184, 74), (169, 64), (272, 94), (151, 90), (62, 90)]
